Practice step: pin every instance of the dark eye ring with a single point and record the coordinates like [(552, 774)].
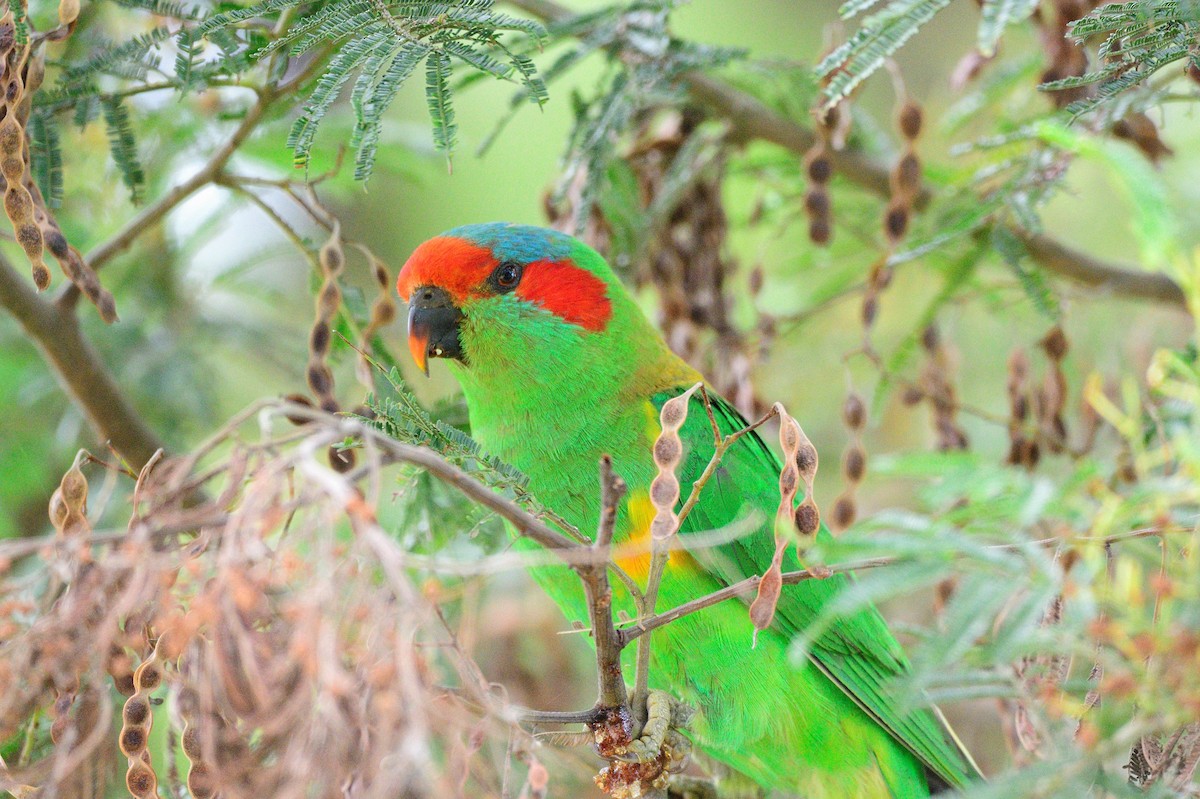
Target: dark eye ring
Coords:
[(507, 275)]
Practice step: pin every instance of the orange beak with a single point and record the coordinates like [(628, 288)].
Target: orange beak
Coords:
[(418, 345)]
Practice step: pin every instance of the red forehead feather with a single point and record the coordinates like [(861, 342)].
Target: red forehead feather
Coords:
[(462, 269), (456, 265)]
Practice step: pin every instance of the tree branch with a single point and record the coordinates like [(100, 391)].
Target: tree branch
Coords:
[(611, 691), (752, 119), (79, 367)]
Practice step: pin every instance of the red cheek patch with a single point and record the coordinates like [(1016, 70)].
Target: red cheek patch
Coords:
[(567, 291), (456, 265)]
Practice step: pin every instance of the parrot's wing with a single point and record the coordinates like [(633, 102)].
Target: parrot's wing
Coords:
[(859, 652)]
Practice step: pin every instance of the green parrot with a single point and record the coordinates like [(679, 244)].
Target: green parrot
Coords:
[(559, 366)]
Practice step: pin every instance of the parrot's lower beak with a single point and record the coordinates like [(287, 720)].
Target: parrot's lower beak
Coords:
[(433, 322)]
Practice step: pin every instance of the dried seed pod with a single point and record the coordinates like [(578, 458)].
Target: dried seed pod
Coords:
[(844, 512), (818, 165), (807, 517), (667, 450), (762, 609), (820, 232), (906, 175), (854, 411), (895, 222), (816, 202), (68, 11), (854, 464), (1055, 344), (908, 119)]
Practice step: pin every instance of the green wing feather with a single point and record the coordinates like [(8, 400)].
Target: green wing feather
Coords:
[(858, 653)]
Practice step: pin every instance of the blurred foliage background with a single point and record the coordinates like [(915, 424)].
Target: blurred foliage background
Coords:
[(940, 325)]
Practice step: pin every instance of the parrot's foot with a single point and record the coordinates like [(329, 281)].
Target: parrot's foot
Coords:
[(642, 767)]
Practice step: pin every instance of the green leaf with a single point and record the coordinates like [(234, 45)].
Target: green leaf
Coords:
[(437, 95), (1012, 251), (123, 146), (880, 36), (995, 16)]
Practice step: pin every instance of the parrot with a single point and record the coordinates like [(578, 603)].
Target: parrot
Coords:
[(559, 366)]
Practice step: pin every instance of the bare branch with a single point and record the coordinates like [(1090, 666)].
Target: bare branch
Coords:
[(611, 682), (78, 367)]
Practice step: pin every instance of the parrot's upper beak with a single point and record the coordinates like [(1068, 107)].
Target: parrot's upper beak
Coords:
[(433, 320)]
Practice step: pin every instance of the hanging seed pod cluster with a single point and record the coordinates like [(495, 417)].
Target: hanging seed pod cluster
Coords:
[(332, 258), (68, 503), (668, 449), (937, 388), (22, 69), (818, 166), (1023, 448), (383, 312), (905, 178), (854, 462), (800, 463), (137, 718), (1048, 430)]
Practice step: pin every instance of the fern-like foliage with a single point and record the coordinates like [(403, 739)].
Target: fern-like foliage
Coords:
[(1140, 38), (885, 31), (644, 66), (402, 417), (378, 45)]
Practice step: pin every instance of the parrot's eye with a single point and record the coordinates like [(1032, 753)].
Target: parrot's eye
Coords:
[(507, 276)]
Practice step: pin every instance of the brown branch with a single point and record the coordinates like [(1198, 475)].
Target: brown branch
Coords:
[(525, 522), (611, 691), (752, 119), (78, 367)]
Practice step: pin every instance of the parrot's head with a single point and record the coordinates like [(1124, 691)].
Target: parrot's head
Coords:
[(499, 296)]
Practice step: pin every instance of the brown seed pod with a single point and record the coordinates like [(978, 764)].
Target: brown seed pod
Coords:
[(844, 512), (667, 450), (1055, 344), (141, 780), (68, 11), (816, 202), (906, 175), (818, 165), (895, 222), (870, 309), (909, 120), (808, 518), (854, 464), (854, 411), (819, 231)]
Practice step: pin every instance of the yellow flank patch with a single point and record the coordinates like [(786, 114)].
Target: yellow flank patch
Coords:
[(633, 553)]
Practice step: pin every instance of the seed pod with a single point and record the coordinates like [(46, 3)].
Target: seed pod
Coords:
[(68, 11), (816, 202), (854, 411), (818, 165), (895, 222), (762, 609), (1055, 344), (667, 451), (819, 231), (909, 120), (870, 309), (854, 464), (844, 512), (807, 517)]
